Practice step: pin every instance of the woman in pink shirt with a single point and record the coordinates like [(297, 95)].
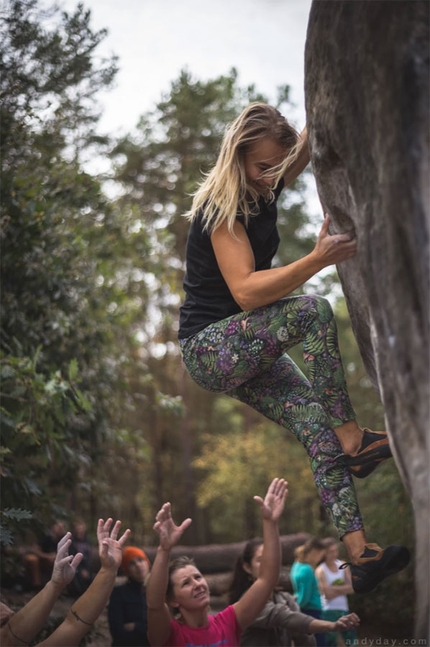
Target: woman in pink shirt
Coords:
[(180, 585)]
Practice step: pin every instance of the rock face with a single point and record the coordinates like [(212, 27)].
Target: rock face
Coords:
[(367, 104)]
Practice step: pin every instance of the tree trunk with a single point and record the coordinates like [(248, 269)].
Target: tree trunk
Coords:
[(367, 104)]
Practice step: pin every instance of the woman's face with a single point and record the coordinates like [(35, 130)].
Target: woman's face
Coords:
[(260, 158), (190, 589), (332, 552), (254, 567), (79, 530), (138, 569)]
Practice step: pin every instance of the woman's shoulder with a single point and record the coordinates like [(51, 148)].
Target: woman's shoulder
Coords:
[(198, 225), (302, 567)]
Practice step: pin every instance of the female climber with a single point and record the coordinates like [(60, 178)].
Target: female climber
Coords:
[(237, 322)]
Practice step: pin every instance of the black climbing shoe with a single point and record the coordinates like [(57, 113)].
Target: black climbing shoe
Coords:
[(375, 564), (373, 450)]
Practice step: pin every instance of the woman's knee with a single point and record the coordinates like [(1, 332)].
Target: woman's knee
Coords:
[(320, 306), (321, 303)]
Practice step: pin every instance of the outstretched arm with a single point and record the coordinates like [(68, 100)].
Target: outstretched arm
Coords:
[(158, 612), (301, 160), (89, 606), (298, 624), (252, 602), (24, 625), (342, 624)]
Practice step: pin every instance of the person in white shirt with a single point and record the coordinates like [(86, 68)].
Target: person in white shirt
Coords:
[(335, 584)]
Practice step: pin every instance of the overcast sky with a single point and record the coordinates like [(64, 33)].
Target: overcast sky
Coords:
[(154, 39)]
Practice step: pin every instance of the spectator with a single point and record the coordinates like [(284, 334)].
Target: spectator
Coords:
[(280, 623), (20, 628), (39, 559), (84, 572), (305, 583), (127, 611), (335, 584), (182, 587)]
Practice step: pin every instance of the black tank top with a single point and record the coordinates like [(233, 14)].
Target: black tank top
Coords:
[(207, 297)]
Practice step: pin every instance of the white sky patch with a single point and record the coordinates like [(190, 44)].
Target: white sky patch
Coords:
[(154, 39)]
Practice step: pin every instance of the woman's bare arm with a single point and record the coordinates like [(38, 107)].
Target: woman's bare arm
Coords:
[(253, 289), (26, 623), (158, 612), (250, 605), (88, 607), (302, 160)]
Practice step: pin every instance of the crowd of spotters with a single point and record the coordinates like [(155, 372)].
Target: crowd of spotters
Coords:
[(168, 603)]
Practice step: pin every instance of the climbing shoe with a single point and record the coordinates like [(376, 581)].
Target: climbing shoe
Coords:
[(373, 450), (375, 564)]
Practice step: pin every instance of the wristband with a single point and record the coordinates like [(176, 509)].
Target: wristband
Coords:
[(15, 636), (90, 624)]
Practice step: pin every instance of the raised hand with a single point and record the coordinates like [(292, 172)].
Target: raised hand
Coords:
[(273, 504), (65, 565), (110, 548), (347, 622), (332, 249), (167, 530)]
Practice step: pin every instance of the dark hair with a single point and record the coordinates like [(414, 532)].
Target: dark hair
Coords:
[(242, 580), (175, 565)]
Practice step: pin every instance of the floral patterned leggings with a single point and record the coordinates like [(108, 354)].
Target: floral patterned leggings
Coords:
[(245, 357)]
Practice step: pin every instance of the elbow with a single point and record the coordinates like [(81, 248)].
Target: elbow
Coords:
[(248, 292), (244, 305), (245, 300)]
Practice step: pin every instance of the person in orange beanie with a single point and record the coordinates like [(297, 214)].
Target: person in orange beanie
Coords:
[(127, 611)]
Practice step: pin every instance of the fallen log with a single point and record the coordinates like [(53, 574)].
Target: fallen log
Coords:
[(219, 583), (220, 558)]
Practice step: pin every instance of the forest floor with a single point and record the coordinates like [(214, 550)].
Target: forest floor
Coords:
[(100, 636)]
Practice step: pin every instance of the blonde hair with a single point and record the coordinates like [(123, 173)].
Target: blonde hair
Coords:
[(224, 192)]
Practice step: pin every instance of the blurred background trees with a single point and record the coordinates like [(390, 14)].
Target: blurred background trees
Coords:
[(98, 415)]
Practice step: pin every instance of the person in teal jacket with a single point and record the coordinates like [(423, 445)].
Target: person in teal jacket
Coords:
[(305, 583)]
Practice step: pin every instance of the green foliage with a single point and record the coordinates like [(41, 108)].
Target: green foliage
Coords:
[(10, 518), (69, 303), (33, 417), (254, 450)]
